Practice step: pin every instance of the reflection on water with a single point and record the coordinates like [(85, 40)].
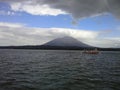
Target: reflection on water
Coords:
[(58, 70)]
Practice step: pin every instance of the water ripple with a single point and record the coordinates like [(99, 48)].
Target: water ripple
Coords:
[(62, 70)]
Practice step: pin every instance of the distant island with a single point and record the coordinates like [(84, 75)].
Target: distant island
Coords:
[(64, 43)]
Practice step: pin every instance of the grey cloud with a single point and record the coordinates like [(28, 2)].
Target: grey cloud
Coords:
[(85, 8), (79, 8), (114, 7)]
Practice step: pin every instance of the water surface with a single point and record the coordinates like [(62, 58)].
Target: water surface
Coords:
[(59, 70)]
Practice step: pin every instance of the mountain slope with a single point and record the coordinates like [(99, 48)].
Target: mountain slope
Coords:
[(67, 42)]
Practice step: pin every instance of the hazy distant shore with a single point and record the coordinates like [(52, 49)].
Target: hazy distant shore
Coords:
[(57, 48)]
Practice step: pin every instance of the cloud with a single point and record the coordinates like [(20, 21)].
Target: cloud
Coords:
[(7, 13), (105, 42), (82, 34), (36, 9), (86, 8), (11, 25), (77, 8), (18, 34)]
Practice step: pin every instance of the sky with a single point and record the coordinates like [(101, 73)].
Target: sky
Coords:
[(35, 22)]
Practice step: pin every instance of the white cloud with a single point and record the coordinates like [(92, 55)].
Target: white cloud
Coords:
[(12, 25), (82, 34), (105, 42), (17, 34), (36, 9), (21, 35)]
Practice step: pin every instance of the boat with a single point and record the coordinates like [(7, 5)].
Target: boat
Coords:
[(91, 51)]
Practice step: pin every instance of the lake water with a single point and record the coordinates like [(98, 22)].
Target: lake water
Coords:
[(59, 70)]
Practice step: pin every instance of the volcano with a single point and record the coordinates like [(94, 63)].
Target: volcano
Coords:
[(64, 43), (67, 42)]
